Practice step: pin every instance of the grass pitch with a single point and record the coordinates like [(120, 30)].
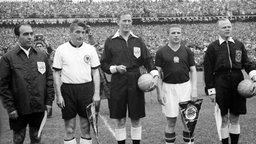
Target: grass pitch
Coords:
[(153, 124)]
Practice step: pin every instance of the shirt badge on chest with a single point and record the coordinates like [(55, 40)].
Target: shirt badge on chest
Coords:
[(136, 52), (176, 59), (87, 59), (41, 67), (238, 56)]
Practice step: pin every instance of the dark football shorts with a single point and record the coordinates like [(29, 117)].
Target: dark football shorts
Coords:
[(227, 95), (33, 120), (125, 93), (76, 97)]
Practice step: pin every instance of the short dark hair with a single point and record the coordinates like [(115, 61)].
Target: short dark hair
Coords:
[(17, 28), (76, 23)]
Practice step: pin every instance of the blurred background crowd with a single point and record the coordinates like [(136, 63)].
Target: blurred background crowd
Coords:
[(197, 35), (109, 8)]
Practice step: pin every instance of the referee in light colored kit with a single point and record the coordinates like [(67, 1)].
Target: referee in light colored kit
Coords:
[(77, 81)]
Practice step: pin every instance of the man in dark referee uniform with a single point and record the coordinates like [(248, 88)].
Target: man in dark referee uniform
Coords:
[(124, 53), (223, 62), (26, 85)]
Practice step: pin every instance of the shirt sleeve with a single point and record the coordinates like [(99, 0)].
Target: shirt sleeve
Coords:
[(209, 71), (57, 60), (191, 58), (106, 57), (147, 58), (95, 62), (5, 80), (158, 60)]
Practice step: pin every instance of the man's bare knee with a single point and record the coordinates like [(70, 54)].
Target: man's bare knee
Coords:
[(171, 122), (120, 123), (85, 127), (70, 128), (234, 119), (224, 120), (135, 122)]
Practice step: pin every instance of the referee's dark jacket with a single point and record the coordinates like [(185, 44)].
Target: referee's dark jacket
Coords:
[(220, 58), (26, 84), (119, 52)]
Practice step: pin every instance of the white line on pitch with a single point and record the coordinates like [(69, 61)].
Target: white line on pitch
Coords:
[(107, 125)]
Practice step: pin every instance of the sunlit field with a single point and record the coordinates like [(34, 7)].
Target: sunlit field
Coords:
[(153, 124)]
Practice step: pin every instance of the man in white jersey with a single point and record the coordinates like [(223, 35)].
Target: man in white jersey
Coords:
[(77, 81)]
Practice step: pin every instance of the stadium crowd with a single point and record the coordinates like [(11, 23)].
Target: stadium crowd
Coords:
[(196, 36), (140, 8)]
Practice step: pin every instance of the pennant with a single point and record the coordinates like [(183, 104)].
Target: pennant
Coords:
[(218, 119), (189, 113), (92, 115), (42, 124)]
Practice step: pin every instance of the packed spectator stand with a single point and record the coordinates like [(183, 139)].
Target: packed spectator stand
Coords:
[(140, 8), (51, 18)]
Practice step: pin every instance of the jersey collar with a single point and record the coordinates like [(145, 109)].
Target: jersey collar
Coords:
[(221, 40), (117, 34)]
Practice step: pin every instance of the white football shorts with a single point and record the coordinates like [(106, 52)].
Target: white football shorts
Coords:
[(174, 94)]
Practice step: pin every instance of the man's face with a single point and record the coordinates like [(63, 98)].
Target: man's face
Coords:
[(77, 35), (225, 28), (125, 23), (26, 37), (175, 35), (41, 47)]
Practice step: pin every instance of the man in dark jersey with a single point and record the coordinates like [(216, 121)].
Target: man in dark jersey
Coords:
[(223, 62), (124, 53), (178, 82)]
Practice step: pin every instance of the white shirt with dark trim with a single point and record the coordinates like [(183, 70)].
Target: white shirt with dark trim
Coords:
[(76, 63)]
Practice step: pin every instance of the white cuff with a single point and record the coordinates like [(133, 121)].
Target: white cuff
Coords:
[(113, 69), (96, 98), (154, 73), (211, 91), (252, 73)]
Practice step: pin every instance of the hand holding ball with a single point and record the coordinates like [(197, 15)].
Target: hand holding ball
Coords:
[(146, 82), (246, 88)]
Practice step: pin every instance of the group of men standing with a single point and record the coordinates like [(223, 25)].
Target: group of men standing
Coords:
[(27, 82)]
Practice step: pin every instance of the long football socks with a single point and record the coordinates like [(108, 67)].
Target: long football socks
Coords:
[(188, 137), (224, 134), (170, 138), (120, 135), (234, 132), (136, 134)]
